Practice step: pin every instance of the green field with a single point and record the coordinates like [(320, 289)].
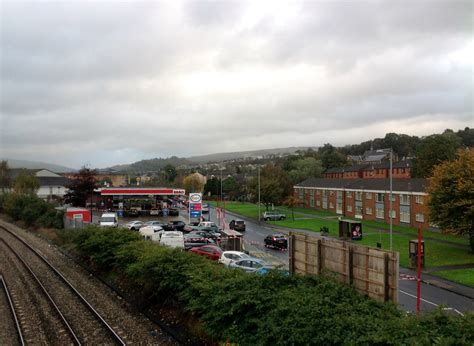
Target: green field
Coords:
[(437, 253), (462, 276)]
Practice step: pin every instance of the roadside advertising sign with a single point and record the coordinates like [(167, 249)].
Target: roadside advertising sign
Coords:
[(195, 207)]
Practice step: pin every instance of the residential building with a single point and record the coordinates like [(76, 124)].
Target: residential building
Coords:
[(368, 199)]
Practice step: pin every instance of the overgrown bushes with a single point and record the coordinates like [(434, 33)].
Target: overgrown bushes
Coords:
[(30, 209), (273, 309)]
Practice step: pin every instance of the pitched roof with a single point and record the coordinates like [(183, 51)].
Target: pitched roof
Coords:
[(53, 181), (409, 185)]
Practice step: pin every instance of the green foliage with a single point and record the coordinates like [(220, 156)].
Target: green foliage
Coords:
[(451, 193), (32, 210), (81, 187), (434, 150), (4, 176), (25, 184), (274, 185), (255, 310), (170, 173), (304, 168), (331, 157)]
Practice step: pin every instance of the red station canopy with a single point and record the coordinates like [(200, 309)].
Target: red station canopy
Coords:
[(140, 191)]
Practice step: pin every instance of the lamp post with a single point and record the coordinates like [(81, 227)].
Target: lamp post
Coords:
[(391, 196), (259, 217)]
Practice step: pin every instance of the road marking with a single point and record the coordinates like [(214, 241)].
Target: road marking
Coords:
[(427, 301)]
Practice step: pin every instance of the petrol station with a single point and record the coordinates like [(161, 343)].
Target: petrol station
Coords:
[(142, 199)]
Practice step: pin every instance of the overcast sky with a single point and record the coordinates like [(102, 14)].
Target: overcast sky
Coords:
[(102, 83)]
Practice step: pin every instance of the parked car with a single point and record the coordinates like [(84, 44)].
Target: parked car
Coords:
[(177, 225), (189, 227), (273, 216), (228, 257), (174, 239), (208, 233), (195, 240), (249, 265), (276, 241), (149, 233), (133, 212), (212, 252), (237, 225), (157, 224), (135, 225)]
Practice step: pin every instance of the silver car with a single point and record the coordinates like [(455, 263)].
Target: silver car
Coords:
[(250, 265), (273, 216)]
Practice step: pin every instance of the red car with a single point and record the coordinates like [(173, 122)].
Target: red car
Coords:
[(210, 251)]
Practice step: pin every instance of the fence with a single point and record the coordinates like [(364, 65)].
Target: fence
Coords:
[(74, 223), (373, 272)]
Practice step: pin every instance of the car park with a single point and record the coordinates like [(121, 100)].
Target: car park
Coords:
[(135, 225), (276, 241), (273, 216), (189, 227), (250, 265), (228, 257), (209, 234), (155, 212), (237, 225), (212, 252), (206, 225)]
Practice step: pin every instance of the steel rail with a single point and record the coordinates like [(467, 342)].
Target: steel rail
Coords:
[(45, 292), (12, 309), (111, 331)]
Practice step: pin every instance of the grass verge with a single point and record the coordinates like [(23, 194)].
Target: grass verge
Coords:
[(461, 276)]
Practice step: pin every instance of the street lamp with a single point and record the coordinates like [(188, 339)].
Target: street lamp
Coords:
[(391, 196), (259, 217)]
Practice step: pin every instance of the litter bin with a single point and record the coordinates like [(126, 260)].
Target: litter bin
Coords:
[(413, 253)]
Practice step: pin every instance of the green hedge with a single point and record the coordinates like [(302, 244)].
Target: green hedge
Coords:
[(273, 309), (32, 210)]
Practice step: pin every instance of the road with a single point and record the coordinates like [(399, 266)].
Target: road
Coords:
[(431, 296)]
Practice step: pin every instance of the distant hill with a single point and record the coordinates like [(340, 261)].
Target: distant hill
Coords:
[(151, 164), (38, 165), (244, 154)]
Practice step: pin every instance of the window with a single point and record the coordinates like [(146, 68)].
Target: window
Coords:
[(420, 217), (394, 214), (349, 208), (325, 193), (311, 201), (301, 193), (331, 193), (318, 203), (331, 205), (339, 208), (379, 214), (339, 194), (368, 195), (311, 193), (405, 199), (419, 199), (368, 211), (349, 194), (404, 216), (318, 192), (358, 196), (358, 211), (379, 197)]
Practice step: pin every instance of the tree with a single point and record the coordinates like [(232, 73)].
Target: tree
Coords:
[(433, 150), (26, 184), (193, 183), (331, 157), (231, 187), (292, 202), (305, 168), (4, 176), (274, 186), (212, 186), (451, 193), (81, 187)]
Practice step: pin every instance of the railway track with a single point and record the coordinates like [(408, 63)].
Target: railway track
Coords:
[(79, 322), (11, 331)]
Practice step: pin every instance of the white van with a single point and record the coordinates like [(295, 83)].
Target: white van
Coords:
[(173, 239), (151, 232), (108, 220)]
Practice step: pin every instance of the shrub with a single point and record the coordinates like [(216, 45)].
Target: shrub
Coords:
[(271, 309)]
